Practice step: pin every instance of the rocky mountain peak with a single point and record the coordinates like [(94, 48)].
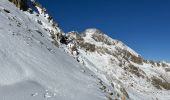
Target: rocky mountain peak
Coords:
[(89, 33)]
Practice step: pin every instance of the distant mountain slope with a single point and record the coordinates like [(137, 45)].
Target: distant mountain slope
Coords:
[(38, 61), (119, 66)]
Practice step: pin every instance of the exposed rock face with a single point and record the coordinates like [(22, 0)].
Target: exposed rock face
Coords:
[(21, 4)]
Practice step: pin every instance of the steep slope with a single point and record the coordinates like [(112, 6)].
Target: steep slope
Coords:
[(32, 67), (33, 62), (119, 66)]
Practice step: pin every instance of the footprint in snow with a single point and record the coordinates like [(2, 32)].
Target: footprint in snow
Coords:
[(34, 94), (49, 94)]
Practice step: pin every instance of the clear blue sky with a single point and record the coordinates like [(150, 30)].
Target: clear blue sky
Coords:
[(144, 25)]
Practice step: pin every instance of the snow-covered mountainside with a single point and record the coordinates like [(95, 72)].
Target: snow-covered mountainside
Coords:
[(38, 61), (32, 67), (119, 66)]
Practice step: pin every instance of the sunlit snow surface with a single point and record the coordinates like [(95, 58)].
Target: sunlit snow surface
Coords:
[(107, 67), (32, 68)]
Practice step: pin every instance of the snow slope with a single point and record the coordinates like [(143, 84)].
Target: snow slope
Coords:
[(32, 68), (34, 65), (120, 67)]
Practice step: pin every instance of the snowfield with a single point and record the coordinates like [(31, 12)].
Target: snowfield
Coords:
[(30, 64), (36, 65)]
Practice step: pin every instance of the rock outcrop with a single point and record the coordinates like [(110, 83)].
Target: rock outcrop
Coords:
[(21, 4)]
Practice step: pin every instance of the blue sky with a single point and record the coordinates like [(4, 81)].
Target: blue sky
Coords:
[(144, 25)]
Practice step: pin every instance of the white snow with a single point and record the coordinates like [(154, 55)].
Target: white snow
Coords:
[(32, 68), (30, 63), (107, 67)]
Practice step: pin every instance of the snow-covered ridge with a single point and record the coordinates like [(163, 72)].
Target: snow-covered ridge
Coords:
[(94, 35), (117, 64), (34, 64), (32, 67)]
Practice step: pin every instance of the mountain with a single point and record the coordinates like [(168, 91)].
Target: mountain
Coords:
[(119, 66), (38, 61)]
